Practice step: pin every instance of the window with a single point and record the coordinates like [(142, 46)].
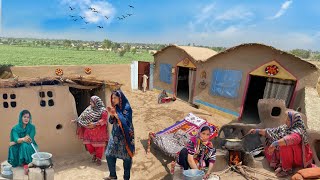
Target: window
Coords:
[(165, 73), (46, 98), (9, 99), (225, 83)]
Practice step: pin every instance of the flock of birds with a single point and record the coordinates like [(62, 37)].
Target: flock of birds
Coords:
[(76, 18)]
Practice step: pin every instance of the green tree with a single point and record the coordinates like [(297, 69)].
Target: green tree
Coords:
[(122, 52), (161, 47), (305, 54), (134, 51), (67, 43), (127, 47), (107, 43)]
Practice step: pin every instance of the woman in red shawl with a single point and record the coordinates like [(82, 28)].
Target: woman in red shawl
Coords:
[(287, 145), (93, 128)]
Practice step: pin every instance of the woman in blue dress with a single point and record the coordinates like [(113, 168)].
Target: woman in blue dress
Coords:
[(121, 143)]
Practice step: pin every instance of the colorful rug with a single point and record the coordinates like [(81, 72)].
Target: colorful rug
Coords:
[(187, 127)]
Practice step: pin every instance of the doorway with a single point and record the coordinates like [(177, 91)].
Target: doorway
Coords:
[(183, 83), (82, 97), (255, 92), (143, 69)]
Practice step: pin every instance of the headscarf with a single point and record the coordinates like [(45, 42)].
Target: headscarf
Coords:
[(92, 114), (28, 130), (296, 126), (203, 149), (124, 112), (162, 95)]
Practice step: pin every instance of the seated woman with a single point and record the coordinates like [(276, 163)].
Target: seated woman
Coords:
[(199, 152), (21, 137), (164, 98), (287, 145)]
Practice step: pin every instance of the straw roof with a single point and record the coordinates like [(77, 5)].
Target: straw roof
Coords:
[(205, 54), (197, 53), (76, 82)]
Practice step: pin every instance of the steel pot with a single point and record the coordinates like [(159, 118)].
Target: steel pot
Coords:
[(234, 144), (45, 159)]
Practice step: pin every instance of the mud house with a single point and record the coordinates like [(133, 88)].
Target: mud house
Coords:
[(53, 102), (231, 82)]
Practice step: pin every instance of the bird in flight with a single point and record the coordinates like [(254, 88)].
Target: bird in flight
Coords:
[(131, 6), (71, 8), (129, 14), (92, 9), (119, 18), (100, 27), (123, 16), (82, 17), (72, 16), (95, 11), (106, 17), (75, 19), (86, 22)]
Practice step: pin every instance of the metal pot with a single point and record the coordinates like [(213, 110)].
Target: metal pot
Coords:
[(45, 159), (234, 144)]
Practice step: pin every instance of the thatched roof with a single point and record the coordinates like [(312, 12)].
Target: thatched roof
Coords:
[(261, 45), (205, 54), (76, 82), (197, 53)]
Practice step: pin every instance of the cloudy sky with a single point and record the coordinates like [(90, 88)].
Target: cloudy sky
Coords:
[(285, 24)]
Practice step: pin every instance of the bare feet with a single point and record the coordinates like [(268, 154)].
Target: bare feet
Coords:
[(94, 158), (98, 162)]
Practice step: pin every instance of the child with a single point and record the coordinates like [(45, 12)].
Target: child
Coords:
[(144, 82), (199, 152)]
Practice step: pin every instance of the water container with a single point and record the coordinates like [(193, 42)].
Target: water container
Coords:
[(193, 174), (6, 171)]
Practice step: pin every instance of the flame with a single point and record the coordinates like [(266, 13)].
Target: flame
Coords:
[(234, 157)]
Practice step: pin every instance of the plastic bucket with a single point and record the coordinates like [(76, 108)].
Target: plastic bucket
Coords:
[(193, 174)]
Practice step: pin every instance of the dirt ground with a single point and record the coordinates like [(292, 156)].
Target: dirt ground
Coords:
[(148, 116)]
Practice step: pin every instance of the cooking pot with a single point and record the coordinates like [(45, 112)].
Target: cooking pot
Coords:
[(44, 159), (234, 144)]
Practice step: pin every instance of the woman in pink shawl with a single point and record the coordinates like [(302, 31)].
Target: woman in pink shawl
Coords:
[(287, 146)]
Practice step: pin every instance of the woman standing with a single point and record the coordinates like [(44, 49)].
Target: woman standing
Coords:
[(121, 144), (287, 145), (21, 137), (93, 130)]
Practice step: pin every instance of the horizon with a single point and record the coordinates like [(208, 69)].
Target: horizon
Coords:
[(208, 23)]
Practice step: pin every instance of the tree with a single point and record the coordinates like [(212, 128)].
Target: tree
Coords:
[(122, 52), (107, 43), (127, 47), (161, 47), (67, 43), (115, 46), (305, 54), (134, 51)]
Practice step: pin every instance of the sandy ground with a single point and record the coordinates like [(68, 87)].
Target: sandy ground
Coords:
[(148, 117)]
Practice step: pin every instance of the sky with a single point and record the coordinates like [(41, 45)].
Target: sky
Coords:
[(284, 24)]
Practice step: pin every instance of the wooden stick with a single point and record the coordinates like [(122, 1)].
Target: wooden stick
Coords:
[(226, 170), (259, 172)]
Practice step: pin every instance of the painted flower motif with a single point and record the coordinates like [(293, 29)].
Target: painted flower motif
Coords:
[(59, 72), (272, 70)]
